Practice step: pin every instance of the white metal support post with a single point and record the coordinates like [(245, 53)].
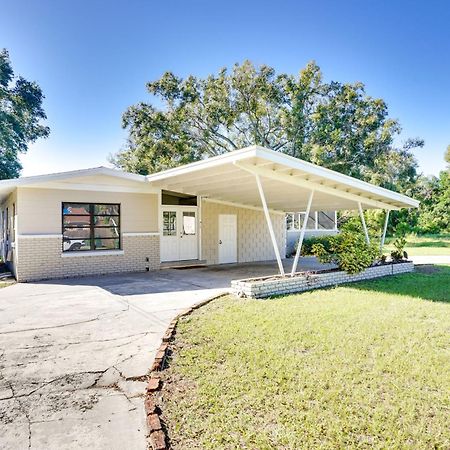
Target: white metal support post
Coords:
[(269, 224), (363, 221), (302, 234), (383, 237)]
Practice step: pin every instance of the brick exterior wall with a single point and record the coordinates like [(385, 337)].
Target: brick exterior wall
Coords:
[(261, 288), (42, 258), (253, 239)]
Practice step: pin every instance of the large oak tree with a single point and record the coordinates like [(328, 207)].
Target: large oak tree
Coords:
[(21, 114), (336, 125)]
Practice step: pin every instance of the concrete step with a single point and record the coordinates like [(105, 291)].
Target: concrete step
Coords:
[(184, 264)]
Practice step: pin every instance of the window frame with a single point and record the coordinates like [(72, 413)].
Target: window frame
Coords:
[(92, 227)]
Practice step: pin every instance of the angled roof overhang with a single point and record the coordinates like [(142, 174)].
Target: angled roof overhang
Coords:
[(96, 179), (287, 183)]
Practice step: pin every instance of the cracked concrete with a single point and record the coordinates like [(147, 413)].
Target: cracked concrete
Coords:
[(74, 354)]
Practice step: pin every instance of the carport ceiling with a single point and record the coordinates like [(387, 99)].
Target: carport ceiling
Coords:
[(286, 181)]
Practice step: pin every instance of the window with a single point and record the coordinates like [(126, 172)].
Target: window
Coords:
[(326, 220), (169, 223), (319, 220), (188, 223), (294, 221), (90, 226)]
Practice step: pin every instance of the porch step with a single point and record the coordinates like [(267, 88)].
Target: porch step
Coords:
[(185, 264)]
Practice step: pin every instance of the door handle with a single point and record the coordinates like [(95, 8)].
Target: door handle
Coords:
[(220, 242)]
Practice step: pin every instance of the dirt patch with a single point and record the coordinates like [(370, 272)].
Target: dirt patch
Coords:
[(427, 268)]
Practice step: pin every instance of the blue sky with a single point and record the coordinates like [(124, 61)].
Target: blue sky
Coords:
[(93, 58)]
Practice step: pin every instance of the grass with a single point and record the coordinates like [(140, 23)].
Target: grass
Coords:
[(359, 366), (437, 244)]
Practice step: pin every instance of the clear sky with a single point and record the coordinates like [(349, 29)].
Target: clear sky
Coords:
[(92, 59)]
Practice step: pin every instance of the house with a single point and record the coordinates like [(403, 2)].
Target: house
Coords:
[(226, 209)]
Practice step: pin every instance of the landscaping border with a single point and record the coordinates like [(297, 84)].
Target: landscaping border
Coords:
[(156, 433), (263, 287)]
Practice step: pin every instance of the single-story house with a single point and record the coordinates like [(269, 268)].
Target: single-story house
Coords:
[(226, 209)]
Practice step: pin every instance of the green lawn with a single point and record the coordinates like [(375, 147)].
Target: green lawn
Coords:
[(359, 366), (438, 244)]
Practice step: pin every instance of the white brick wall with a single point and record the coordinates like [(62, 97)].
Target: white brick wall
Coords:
[(263, 287), (41, 258), (253, 237)]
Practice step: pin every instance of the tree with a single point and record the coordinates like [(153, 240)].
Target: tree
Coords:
[(336, 125), (21, 113), (447, 156)]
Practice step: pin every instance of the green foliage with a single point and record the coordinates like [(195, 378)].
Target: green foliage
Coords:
[(399, 253), (21, 113), (348, 250), (311, 241), (336, 125), (433, 215)]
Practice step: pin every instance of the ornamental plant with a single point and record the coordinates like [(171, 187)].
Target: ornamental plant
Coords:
[(349, 251), (399, 253)]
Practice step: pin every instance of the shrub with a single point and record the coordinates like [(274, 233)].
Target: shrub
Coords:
[(349, 251), (399, 249), (308, 243)]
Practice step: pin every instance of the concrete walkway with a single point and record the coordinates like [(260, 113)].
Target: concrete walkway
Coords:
[(430, 259), (74, 353)]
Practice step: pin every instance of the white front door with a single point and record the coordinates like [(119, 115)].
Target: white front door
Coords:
[(227, 238), (179, 238)]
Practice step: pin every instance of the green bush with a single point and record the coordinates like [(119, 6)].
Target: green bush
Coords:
[(308, 244), (349, 251)]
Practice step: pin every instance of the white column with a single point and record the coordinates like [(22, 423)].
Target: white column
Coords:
[(302, 235), (363, 221), (269, 224), (383, 237)]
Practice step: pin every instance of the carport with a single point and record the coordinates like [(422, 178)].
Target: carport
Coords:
[(277, 183)]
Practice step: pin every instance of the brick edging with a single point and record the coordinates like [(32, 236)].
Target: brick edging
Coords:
[(157, 435)]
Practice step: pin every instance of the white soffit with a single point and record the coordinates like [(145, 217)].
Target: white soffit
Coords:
[(286, 181)]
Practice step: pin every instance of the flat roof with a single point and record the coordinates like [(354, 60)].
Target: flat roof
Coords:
[(286, 181), (231, 177)]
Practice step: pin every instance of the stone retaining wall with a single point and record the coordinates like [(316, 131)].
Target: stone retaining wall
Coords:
[(304, 281)]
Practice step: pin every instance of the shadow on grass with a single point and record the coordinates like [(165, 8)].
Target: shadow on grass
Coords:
[(427, 282), (428, 244)]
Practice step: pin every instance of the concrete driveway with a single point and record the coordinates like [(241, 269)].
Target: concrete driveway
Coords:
[(74, 353)]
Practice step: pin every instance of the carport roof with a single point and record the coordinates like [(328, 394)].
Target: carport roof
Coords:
[(231, 177), (287, 183)]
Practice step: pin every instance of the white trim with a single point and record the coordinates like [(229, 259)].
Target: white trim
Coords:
[(240, 205), (39, 236), (199, 226), (312, 230), (150, 233), (92, 253), (144, 189), (73, 174), (160, 219)]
